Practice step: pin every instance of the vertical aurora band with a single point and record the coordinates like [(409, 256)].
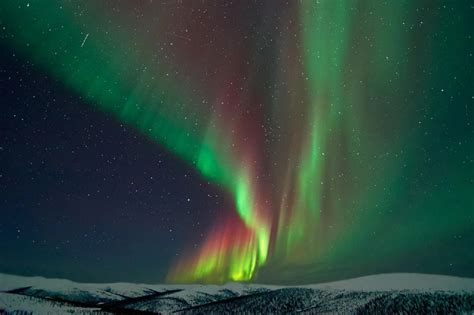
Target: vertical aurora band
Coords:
[(138, 92), (337, 176)]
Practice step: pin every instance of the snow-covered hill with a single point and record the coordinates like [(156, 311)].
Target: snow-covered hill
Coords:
[(376, 293)]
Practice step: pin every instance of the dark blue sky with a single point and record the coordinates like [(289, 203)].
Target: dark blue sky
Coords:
[(376, 108), (84, 197)]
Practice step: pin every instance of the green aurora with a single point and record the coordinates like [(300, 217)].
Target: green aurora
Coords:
[(372, 168)]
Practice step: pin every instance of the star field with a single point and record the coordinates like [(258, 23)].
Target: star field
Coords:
[(214, 141)]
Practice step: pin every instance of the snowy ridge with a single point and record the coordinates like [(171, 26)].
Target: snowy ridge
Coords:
[(401, 281), (400, 292)]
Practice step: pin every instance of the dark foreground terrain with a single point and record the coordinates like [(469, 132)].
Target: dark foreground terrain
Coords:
[(386, 293)]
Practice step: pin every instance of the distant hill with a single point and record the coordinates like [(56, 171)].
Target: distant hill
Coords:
[(384, 293)]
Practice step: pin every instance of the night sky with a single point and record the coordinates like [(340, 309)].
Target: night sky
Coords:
[(214, 141)]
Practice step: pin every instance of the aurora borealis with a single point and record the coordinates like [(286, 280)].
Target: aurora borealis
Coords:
[(339, 133)]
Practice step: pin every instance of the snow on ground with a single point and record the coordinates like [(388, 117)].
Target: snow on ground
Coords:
[(14, 303), (401, 281), (45, 287), (383, 293), (380, 282)]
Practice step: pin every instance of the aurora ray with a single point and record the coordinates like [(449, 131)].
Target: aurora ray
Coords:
[(317, 146)]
